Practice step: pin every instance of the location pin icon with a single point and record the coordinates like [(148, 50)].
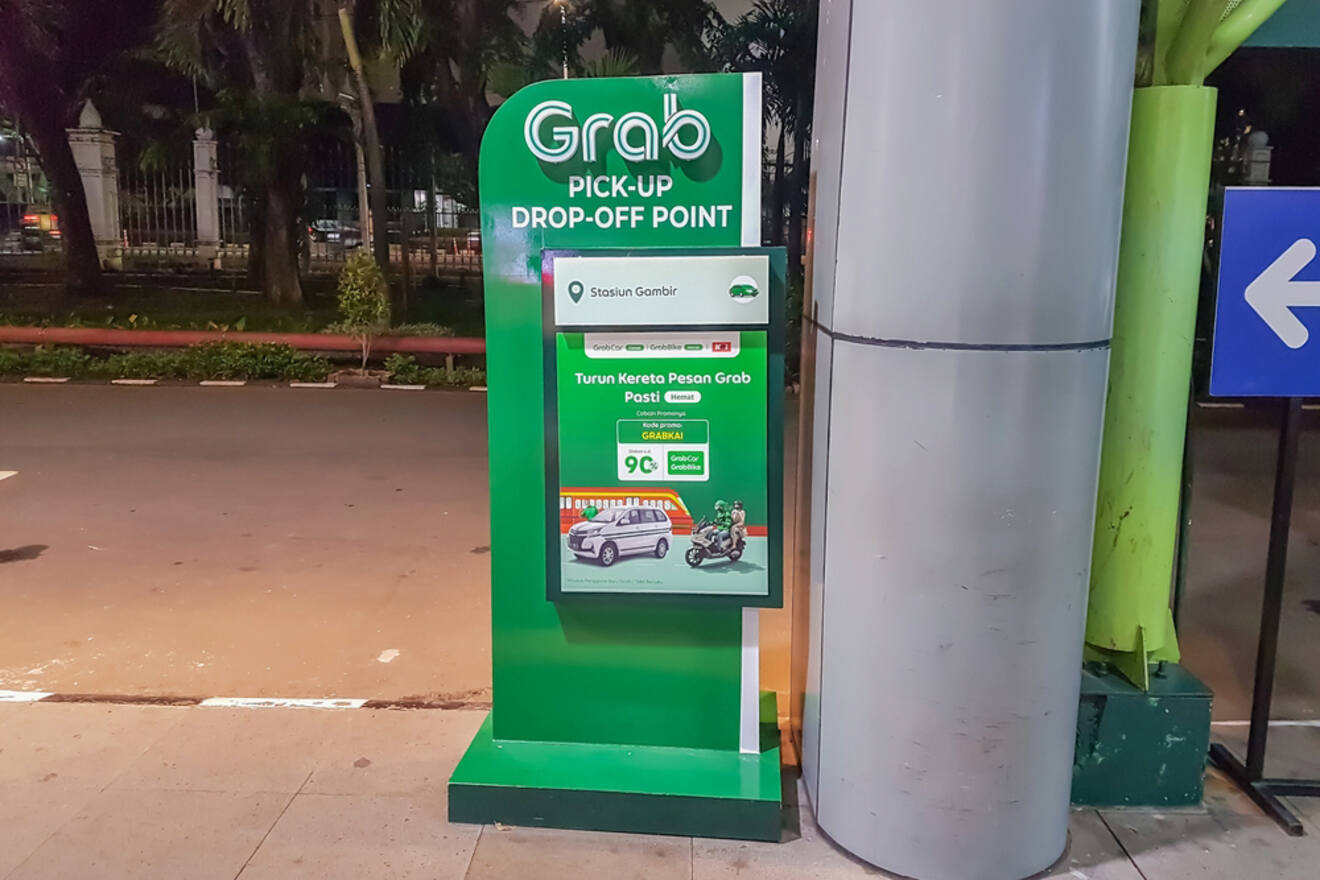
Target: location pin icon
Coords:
[(575, 290)]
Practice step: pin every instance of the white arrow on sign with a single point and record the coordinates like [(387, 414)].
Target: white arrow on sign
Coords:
[(1274, 294)]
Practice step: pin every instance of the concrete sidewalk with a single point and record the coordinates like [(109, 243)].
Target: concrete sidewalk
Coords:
[(111, 791)]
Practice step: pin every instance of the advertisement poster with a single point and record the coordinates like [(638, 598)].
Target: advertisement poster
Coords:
[(661, 449)]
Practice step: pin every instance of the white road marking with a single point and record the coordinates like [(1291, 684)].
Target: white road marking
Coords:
[(388, 655), (277, 703), (4, 475), (1314, 722), (404, 387), (22, 696), (481, 388), (134, 381), (312, 385), (222, 383), (46, 380)]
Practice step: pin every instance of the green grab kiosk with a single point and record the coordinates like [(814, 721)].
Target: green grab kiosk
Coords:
[(635, 337)]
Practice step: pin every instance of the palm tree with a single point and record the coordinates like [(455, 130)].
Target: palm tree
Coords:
[(615, 62), (448, 51), (778, 38), (644, 29), (50, 51), (370, 136), (259, 56)]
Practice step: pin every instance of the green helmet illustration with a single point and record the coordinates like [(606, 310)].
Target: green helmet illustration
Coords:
[(721, 505)]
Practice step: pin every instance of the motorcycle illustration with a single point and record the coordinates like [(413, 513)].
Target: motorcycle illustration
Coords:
[(706, 544)]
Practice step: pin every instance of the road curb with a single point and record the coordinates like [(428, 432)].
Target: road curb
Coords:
[(322, 703)]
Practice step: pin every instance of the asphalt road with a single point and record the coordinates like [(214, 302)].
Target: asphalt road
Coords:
[(244, 542), (306, 543)]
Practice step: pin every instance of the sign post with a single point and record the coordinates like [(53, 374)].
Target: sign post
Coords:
[(1268, 285), (635, 362)]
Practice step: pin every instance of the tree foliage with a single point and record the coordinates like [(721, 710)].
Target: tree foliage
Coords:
[(778, 38), (261, 57), (364, 300), (50, 53), (447, 51), (643, 29)]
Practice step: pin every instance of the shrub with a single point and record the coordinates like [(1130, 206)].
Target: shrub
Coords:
[(244, 360), (141, 365), (423, 329), (70, 362), (11, 362), (405, 370), (364, 300)]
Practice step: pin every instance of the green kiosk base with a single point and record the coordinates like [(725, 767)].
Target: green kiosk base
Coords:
[(640, 789)]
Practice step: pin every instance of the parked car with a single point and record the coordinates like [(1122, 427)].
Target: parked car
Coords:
[(622, 531), (334, 232), (41, 231)]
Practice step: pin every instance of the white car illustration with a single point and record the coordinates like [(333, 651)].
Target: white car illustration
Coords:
[(622, 531)]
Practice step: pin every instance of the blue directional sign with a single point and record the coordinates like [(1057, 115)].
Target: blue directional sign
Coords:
[(1267, 319)]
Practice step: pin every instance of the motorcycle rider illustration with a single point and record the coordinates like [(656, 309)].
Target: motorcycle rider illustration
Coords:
[(723, 524), (738, 522), (723, 536)]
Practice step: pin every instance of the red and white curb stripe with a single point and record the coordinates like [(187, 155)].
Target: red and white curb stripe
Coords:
[(238, 702), (239, 383)]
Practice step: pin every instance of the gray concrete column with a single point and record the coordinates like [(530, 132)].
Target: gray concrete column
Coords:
[(206, 190), (94, 152), (967, 187)]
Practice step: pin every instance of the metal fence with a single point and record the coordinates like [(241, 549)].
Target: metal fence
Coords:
[(428, 231), (447, 238), (157, 207)]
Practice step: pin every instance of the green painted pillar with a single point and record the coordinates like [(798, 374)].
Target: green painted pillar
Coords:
[(1129, 622)]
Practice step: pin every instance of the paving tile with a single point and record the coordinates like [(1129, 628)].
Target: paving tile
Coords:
[(1290, 751), (330, 837), (77, 743), (803, 853), (1223, 796), (551, 854), (393, 752), (30, 812), (1093, 852), (236, 750), (1209, 845), (808, 857), (145, 835)]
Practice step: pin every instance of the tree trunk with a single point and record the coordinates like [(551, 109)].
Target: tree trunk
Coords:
[(777, 191), (82, 263), (256, 227), (430, 214), (797, 207), (279, 269), (380, 242)]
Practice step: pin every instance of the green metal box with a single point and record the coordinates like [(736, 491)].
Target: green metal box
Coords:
[(1141, 749)]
